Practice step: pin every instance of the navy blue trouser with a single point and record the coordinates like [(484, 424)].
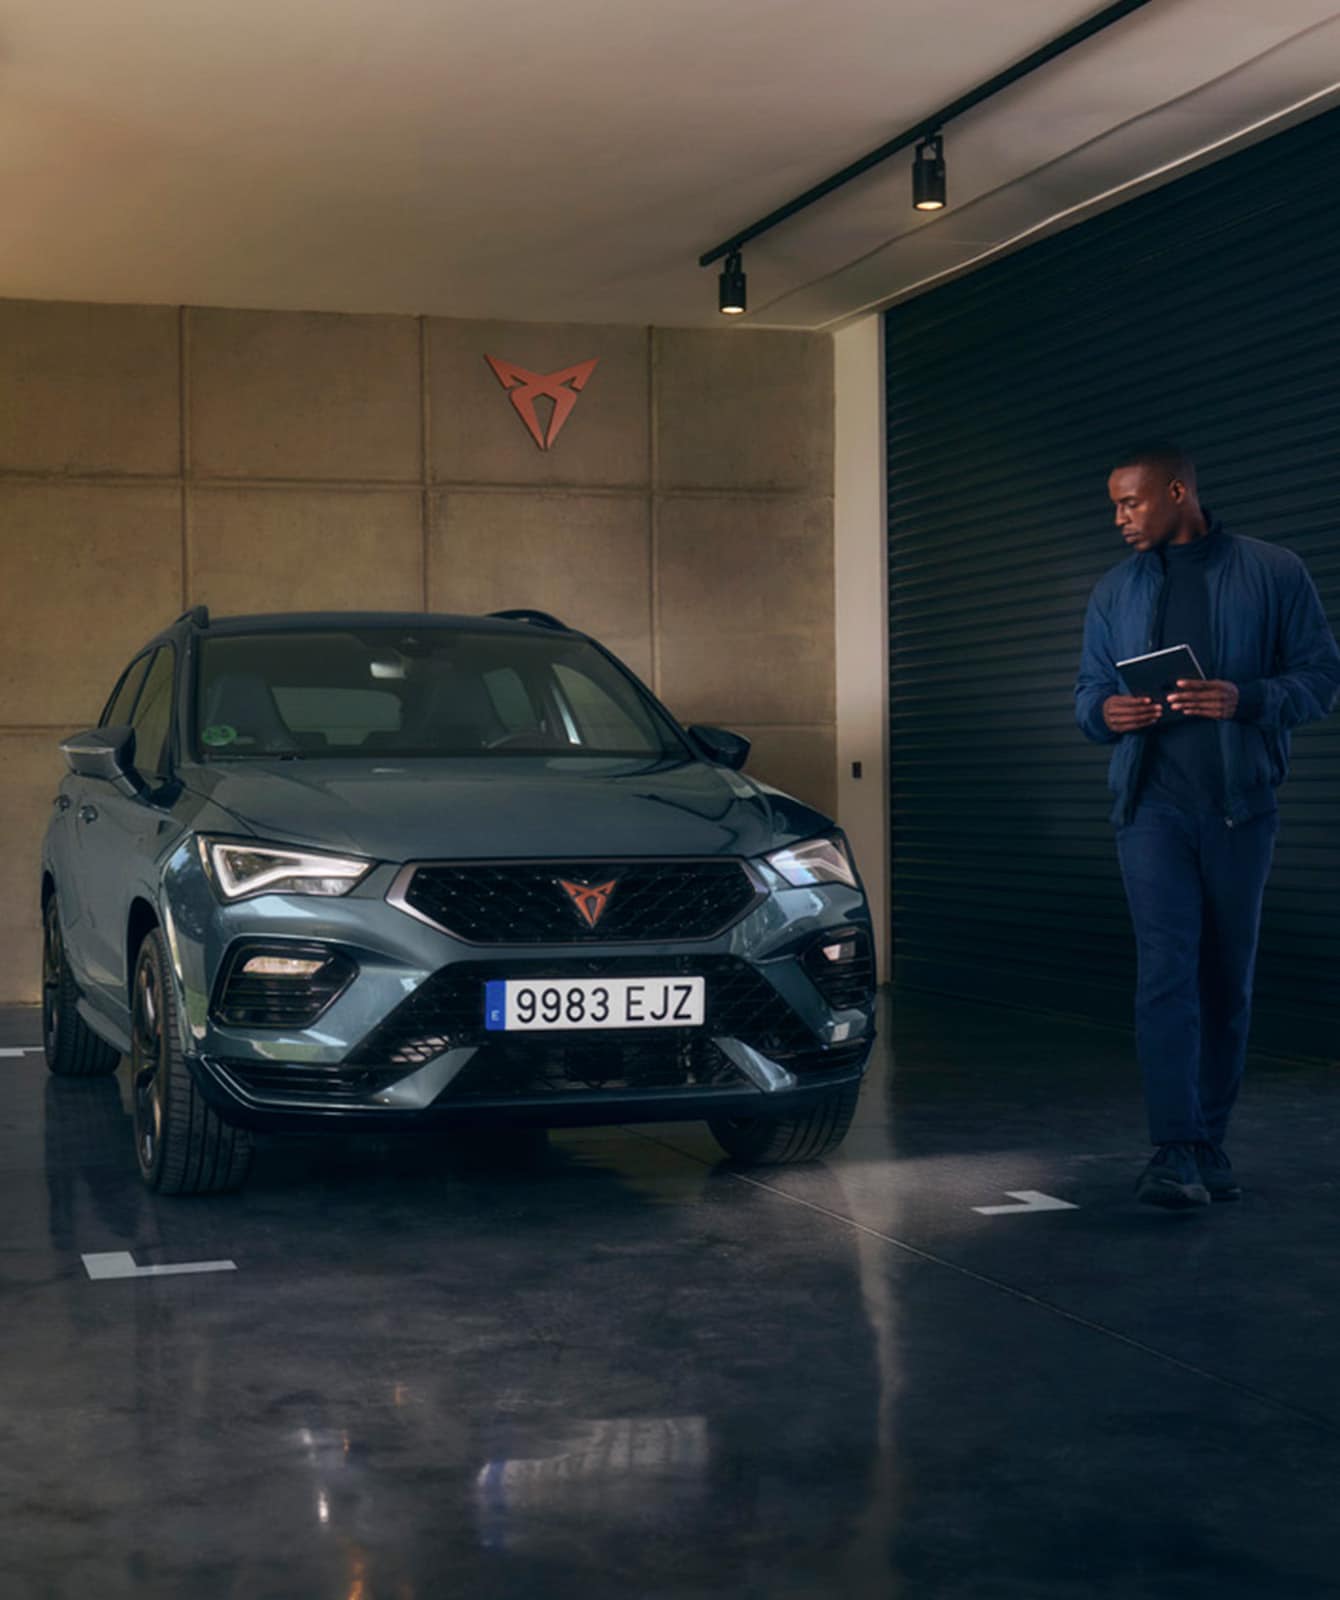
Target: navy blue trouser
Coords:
[(1194, 886)]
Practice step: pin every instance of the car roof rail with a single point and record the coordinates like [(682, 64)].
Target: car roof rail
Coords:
[(541, 619), (197, 616)]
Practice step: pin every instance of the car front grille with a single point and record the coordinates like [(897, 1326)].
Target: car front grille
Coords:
[(447, 1009), (616, 1062), (540, 1065), (579, 902)]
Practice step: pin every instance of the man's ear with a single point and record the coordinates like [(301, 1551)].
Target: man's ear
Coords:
[(1177, 490)]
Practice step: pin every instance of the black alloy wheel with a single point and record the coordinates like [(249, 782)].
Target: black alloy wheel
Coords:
[(182, 1145), (146, 1065), (71, 1048), (53, 959)]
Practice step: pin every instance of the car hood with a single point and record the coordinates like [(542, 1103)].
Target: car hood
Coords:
[(515, 806)]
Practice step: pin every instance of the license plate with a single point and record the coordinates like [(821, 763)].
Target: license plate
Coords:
[(517, 1006)]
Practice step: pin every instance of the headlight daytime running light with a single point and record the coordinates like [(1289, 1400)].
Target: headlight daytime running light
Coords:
[(241, 870), (824, 860)]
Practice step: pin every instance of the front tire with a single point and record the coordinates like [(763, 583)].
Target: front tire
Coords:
[(181, 1143), (784, 1141), (71, 1048)]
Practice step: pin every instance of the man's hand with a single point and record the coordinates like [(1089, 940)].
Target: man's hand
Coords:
[(1205, 697), (1128, 713)]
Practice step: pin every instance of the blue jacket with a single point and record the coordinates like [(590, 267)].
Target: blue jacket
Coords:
[(1271, 638)]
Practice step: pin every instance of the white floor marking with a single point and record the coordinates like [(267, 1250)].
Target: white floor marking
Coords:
[(1029, 1200), (24, 1050), (121, 1264)]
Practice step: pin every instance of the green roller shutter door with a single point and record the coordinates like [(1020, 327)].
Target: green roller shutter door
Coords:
[(1208, 311)]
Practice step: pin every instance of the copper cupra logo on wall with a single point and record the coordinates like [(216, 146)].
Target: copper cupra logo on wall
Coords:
[(590, 899), (525, 388)]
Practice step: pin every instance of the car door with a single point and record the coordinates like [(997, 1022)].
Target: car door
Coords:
[(120, 835), (65, 839)]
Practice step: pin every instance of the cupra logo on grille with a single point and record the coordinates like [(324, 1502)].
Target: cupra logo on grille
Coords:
[(525, 388), (590, 899)]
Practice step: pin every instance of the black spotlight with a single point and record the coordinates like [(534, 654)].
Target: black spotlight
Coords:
[(928, 175), (732, 297)]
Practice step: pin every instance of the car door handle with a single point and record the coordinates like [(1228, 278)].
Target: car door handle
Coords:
[(88, 813)]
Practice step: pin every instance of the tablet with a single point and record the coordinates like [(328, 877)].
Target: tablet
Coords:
[(1155, 675)]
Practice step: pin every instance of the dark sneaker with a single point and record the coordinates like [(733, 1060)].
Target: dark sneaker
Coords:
[(1173, 1179), (1216, 1172)]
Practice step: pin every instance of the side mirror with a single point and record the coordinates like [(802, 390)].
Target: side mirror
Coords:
[(107, 753), (720, 746)]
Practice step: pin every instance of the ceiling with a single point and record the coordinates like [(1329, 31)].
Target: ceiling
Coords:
[(568, 160)]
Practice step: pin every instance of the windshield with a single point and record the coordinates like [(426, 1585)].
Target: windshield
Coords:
[(421, 692)]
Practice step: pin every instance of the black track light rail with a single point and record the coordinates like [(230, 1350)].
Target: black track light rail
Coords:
[(928, 125)]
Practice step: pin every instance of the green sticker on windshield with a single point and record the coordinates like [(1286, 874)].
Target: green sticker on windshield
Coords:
[(218, 733)]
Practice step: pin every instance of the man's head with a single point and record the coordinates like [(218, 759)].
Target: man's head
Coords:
[(1153, 492)]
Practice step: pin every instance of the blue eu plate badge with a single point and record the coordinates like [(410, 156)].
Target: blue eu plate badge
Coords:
[(495, 1006)]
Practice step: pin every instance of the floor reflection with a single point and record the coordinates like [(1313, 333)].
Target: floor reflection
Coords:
[(452, 1370), (603, 1365)]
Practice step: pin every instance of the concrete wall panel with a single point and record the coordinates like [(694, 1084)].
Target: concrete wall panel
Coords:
[(278, 394), (376, 462), (478, 436), (746, 607), (91, 572), (744, 410), (585, 558), (89, 388), (306, 549)]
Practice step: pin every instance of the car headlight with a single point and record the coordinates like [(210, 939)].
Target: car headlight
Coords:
[(239, 870), (816, 861)]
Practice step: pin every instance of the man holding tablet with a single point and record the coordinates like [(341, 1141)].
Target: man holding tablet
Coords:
[(1196, 764)]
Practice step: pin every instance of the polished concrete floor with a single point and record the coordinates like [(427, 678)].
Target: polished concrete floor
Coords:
[(610, 1366)]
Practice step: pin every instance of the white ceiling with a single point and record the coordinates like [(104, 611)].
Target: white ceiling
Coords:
[(568, 160)]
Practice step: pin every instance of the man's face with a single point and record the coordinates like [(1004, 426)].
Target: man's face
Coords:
[(1148, 506)]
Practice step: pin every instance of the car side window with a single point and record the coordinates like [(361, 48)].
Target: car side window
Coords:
[(152, 720), (122, 702)]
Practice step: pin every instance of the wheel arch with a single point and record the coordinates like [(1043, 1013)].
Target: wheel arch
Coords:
[(142, 919)]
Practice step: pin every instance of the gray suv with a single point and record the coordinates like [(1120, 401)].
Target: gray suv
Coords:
[(369, 870)]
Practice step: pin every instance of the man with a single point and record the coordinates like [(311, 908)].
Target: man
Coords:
[(1195, 786)]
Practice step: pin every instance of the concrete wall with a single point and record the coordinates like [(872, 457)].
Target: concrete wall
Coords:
[(861, 613), (152, 458)]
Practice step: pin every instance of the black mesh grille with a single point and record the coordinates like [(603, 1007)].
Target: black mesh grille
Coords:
[(245, 1000), (526, 903), (448, 1009), (284, 1080), (614, 1062), (847, 985)]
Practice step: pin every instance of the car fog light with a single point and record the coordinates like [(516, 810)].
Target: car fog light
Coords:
[(281, 967), (844, 951)]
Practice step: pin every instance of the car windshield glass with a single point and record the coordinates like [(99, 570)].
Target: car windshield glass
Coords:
[(422, 692)]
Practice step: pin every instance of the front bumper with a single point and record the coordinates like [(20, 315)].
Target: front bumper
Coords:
[(403, 1044), (571, 1109)]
